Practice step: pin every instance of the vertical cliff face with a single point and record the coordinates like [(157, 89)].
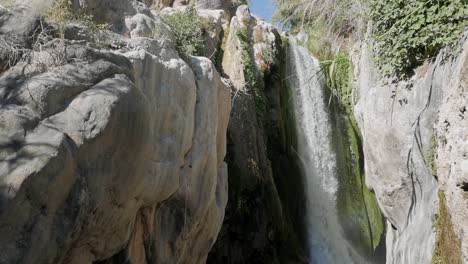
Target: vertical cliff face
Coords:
[(112, 146), (258, 225), (405, 126), (113, 142), (116, 144), (451, 166)]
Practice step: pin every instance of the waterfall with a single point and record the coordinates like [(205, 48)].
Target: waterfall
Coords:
[(326, 239)]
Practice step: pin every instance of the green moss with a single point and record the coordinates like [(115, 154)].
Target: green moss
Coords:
[(448, 245), (358, 208), (282, 145)]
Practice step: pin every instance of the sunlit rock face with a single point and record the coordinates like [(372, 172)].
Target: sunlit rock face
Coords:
[(111, 149), (404, 125), (265, 189), (451, 160)]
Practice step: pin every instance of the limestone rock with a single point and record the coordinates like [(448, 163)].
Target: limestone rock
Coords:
[(110, 153), (256, 221), (212, 4), (397, 129), (265, 38), (397, 123), (232, 60), (451, 158), (227, 6), (243, 14), (180, 3), (215, 23)]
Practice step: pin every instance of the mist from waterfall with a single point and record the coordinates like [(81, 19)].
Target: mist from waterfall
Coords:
[(326, 239)]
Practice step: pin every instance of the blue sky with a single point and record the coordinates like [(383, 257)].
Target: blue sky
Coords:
[(263, 8)]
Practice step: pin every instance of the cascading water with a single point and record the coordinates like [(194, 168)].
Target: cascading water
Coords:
[(327, 242)]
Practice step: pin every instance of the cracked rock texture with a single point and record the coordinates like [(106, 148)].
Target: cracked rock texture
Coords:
[(111, 154), (398, 123), (258, 226), (451, 159)]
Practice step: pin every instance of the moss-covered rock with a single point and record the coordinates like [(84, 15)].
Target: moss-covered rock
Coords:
[(448, 246)]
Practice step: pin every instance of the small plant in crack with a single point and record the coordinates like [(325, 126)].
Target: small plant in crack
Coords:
[(430, 156)]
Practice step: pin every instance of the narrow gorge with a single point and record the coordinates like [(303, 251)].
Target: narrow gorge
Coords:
[(194, 131)]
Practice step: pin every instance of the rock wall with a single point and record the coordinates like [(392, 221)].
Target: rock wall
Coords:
[(451, 160), (397, 120), (111, 147), (229, 6), (258, 225)]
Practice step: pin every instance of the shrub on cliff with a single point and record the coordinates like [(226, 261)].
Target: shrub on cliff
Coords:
[(187, 30), (407, 33), (329, 23)]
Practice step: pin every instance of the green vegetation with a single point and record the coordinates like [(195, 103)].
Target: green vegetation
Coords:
[(430, 156), (251, 78), (320, 45), (61, 12), (329, 38), (340, 16), (358, 207), (329, 23), (407, 33), (404, 34), (270, 54), (448, 246), (187, 29), (337, 72)]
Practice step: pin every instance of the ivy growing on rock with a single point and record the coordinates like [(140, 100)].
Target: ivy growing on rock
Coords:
[(407, 33)]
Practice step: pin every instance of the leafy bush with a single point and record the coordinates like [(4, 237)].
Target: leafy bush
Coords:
[(187, 30), (409, 32), (406, 33)]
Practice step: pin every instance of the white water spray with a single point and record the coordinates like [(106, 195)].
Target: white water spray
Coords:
[(327, 244)]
